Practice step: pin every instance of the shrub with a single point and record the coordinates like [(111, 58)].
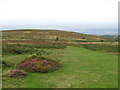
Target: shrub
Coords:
[(17, 73), (22, 49), (41, 52), (15, 49), (101, 40), (38, 64)]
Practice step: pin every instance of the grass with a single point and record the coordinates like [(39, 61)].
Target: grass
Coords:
[(82, 68), (33, 34), (101, 47)]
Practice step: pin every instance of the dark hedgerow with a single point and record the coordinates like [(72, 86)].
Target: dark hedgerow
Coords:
[(38, 64)]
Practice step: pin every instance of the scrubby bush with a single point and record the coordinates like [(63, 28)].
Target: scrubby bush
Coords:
[(28, 48), (38, 64), (17, 73), (41, 52), (16, 49), (21, 49)]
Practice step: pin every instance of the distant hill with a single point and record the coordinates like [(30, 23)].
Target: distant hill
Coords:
[(111, 36), (44, 34)]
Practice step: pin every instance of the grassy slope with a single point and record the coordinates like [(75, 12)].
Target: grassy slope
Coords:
[(82, 68), (49, 34)]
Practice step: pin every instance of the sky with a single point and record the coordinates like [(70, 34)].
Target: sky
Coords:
[(85, 16)]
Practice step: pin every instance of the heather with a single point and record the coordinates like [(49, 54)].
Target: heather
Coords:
[(39, 64)]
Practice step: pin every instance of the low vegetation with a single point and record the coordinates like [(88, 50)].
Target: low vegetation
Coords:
[(29, 48), (38, 64), (48, 59), (17, 73), (6, 63), (100, 47)]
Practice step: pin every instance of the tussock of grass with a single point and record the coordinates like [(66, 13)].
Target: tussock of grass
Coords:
[(6, 63)]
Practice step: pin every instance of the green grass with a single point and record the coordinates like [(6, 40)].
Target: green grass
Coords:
[(82, 68), (100, 47)]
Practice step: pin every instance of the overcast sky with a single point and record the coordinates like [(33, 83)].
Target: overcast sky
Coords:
[(85, 16)]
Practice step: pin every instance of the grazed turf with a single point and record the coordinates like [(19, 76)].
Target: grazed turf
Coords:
[(82, 69)]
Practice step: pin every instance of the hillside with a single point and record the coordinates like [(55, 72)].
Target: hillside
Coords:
[(33, 34), (47, 58), (111, 36)]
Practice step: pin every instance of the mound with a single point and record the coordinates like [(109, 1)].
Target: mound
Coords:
[(38, 64)]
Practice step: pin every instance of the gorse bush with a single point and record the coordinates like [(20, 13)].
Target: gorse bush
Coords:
[(38, 64)]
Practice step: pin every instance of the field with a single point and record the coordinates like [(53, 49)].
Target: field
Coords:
[(86, 63)]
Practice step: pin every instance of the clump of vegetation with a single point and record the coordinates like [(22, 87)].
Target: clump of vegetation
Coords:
[(28, 48), (42, 52), (6, 63), (15, 49), (17, 73), (21, 49), (47, 46), (100, 47), (6, 73), (38, 64)]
